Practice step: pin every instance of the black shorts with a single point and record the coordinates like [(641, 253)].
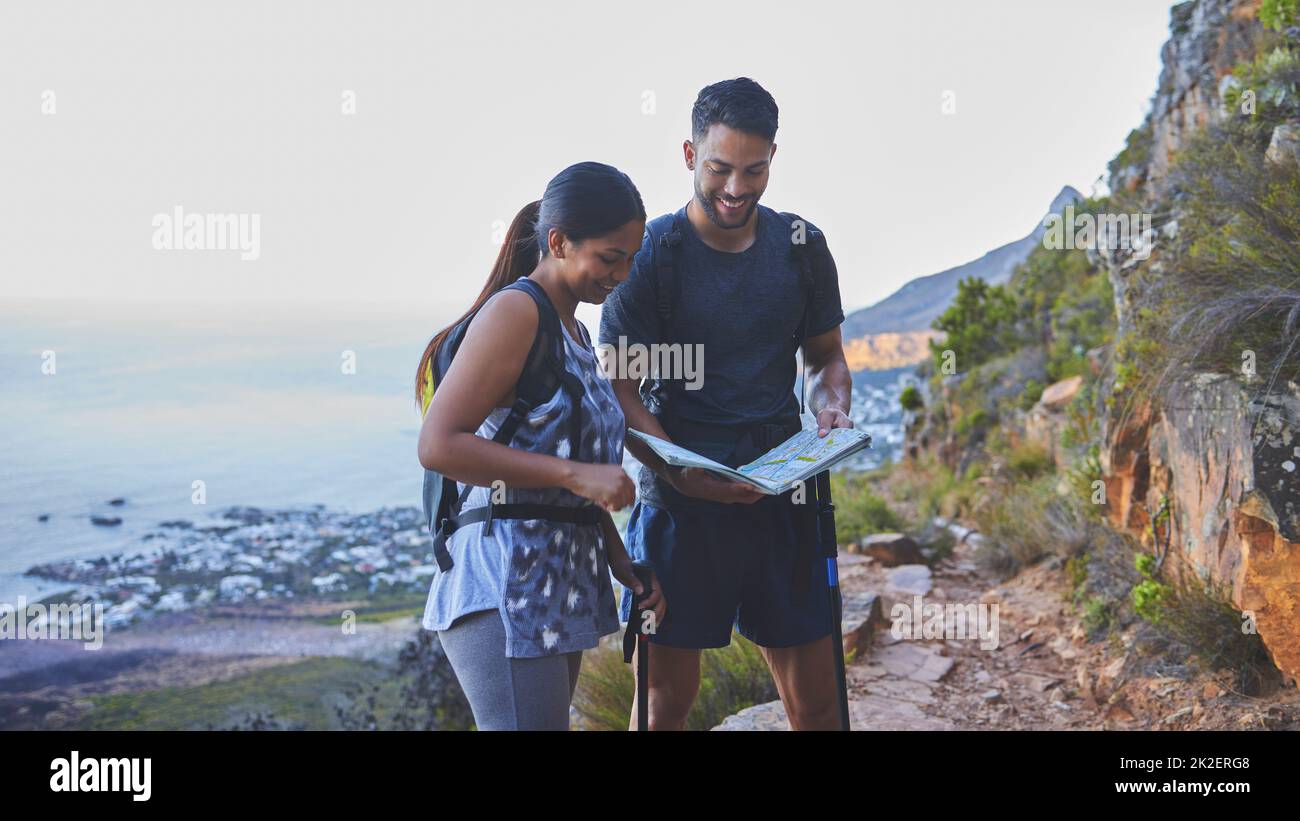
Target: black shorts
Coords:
[(741, 565)]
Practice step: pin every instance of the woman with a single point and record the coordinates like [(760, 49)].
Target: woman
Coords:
[(525, 597)]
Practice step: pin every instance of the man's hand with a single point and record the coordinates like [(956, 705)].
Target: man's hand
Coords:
[(831, 417), (701, 484)]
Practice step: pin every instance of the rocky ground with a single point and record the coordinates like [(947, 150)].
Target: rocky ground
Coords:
[(1043, 675), (48, 682)]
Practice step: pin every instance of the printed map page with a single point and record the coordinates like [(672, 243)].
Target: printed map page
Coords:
[(803, 455)]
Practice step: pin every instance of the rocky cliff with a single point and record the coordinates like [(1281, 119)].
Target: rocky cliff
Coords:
[(1206, 467)]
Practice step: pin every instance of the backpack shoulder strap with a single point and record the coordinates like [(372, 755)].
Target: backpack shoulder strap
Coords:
[(810, 257), (544, 368), (665, 237)]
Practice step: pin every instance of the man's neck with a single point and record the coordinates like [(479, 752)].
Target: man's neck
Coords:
[(727, 240)]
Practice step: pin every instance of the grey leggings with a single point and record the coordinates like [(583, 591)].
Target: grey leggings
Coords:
[(508, 693)]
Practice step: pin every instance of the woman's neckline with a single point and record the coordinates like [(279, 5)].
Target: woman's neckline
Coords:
[(576, 341), (560, 319)]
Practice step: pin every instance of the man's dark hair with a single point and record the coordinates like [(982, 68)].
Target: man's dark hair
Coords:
[(741, 104)]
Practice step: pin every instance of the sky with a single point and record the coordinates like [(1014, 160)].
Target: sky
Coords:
[(379, 146)]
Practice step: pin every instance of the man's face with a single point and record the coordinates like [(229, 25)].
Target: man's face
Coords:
[(731, 170)]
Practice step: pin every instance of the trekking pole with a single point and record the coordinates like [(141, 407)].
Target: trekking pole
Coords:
[(831, 550), (633, 637)]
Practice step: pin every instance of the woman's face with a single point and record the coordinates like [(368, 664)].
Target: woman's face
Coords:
[(595, 266)]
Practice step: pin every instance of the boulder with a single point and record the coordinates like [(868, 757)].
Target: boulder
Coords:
[(1060, 394), (909, 580), (1226, 460), (871, 712), (890, 549), (863, 613), (1284, 148)]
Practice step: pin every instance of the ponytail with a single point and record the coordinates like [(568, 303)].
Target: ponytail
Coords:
[(518, 257), (587, 199)]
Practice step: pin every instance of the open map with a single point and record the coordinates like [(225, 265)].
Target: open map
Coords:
[(798, 458)]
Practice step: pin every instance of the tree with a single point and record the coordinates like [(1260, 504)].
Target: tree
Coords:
[(979, 325)]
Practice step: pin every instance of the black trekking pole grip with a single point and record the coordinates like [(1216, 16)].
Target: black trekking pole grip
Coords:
[(644, 573)]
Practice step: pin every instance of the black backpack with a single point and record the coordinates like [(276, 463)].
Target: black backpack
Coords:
[(544, 373)]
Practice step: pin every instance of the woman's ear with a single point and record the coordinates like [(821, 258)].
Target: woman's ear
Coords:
[(557, 244)]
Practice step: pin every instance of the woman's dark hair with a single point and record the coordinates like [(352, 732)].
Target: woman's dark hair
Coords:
[(588, 199), (741, 104)]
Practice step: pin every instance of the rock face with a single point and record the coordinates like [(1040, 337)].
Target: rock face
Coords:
[(1208, 38), (1211, 463), (1226, 468)]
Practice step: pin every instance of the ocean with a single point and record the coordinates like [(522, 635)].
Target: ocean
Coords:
[(255, 401)]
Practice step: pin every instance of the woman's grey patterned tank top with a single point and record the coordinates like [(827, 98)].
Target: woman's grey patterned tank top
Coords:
[(549, 580)]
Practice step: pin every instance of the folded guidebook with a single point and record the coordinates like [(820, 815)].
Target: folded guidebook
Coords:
[(800, 457)]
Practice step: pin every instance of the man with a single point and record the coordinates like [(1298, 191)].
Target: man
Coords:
[(725, 554)]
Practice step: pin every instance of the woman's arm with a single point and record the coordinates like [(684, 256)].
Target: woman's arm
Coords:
[(620, 564), (482, 376)]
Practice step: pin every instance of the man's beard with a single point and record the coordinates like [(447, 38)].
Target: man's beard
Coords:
[(711, 211)]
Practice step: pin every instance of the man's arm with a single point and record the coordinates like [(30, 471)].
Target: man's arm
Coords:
[(832, 384), (640, 418)]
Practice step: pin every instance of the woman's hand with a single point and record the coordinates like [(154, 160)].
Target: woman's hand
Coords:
[(701, 484), (607, 485), (622, 570)]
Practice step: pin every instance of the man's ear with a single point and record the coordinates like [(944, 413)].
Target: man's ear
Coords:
[(688, 153), (773, 153)]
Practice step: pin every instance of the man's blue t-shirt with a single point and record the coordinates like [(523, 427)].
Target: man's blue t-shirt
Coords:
[(741, 308)]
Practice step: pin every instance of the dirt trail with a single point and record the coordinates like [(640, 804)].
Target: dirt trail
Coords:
[(1043, 674)]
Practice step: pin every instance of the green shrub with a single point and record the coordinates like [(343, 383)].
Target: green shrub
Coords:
[(1136, 152), (979, 325), (1239, 241), (910, 399), (1029, 519), (977, 420), (731, 678), (1149, 600), (1032, 393), (1097, 615), (1028, 460), (858, 510), (1277, 14)]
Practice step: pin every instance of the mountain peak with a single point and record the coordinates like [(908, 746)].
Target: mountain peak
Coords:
[(1067, 195), (909, 310)]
